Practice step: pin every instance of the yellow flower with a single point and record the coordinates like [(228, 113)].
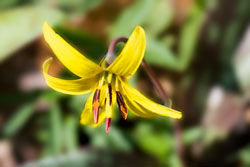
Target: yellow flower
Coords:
[(108, 84)]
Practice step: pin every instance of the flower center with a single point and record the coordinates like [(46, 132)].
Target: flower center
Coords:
[(108, 92)]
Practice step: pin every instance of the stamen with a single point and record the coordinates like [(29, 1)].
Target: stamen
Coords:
[(96, 105), (110, 94), (122, 106), (108, 121)]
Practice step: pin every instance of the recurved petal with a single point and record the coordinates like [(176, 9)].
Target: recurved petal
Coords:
[(70, 57), (137, 109), (78, 86), (146, 106), (87, 116), (132, 106), (131, 56)]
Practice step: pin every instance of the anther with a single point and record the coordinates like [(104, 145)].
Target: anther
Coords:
[(108, 121), (122, 106), (96, 105), (110, 94)]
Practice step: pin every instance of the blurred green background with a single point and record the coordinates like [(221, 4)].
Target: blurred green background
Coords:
[(199, 49)]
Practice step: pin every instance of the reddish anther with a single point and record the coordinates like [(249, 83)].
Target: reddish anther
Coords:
[(108, 121), (110, 94), (96, 105), (122, 106)]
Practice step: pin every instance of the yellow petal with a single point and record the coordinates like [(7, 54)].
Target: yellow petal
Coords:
[(132, 106), (78, 86), (131, 56), (70, 57), (87, 116), (140, 102), (137, 109)]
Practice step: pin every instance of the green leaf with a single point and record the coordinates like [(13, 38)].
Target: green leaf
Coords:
[(78, 6), (76, 159), (77, 103), (18, 120), (191, 135), (155, 24), (56, 140), (130, 18), (8, 3), (244, 155), (114, 140), (117, 140), (152, 141), (20, 26), (70, 133), (159, 54), (188, 37), (174, 160)]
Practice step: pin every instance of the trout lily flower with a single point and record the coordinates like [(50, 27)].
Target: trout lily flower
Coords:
[(108, 84)]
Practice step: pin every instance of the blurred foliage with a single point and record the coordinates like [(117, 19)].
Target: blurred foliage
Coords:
[(244, 156), (22, 25), (146, 13), (18, 120), (73, 6), (76, 159)]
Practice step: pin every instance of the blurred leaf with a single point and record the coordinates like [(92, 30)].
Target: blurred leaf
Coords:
[(233, 31), (114, 140), (51, 96), (173, 160), (169, 40), (77, 6), (155, 24), (189, 35), (76, 159), (131, 17), (77, 103), (242, 70), (231, 38), (202, 90), (22, 25), (192, 134), (70, 133), (244, 155), (154, 142), (211, 4), (214, 33), (8, 99), (18, 120), (158, 54), (7, 3), (212, 135), (98, 136), (56, 140), (241, 62), (118, 141)]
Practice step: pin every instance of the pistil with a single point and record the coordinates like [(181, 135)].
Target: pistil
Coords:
[(108, 121)]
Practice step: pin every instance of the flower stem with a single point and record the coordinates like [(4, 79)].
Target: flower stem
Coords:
[(110, 57), (113, 43), (155, 81)]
